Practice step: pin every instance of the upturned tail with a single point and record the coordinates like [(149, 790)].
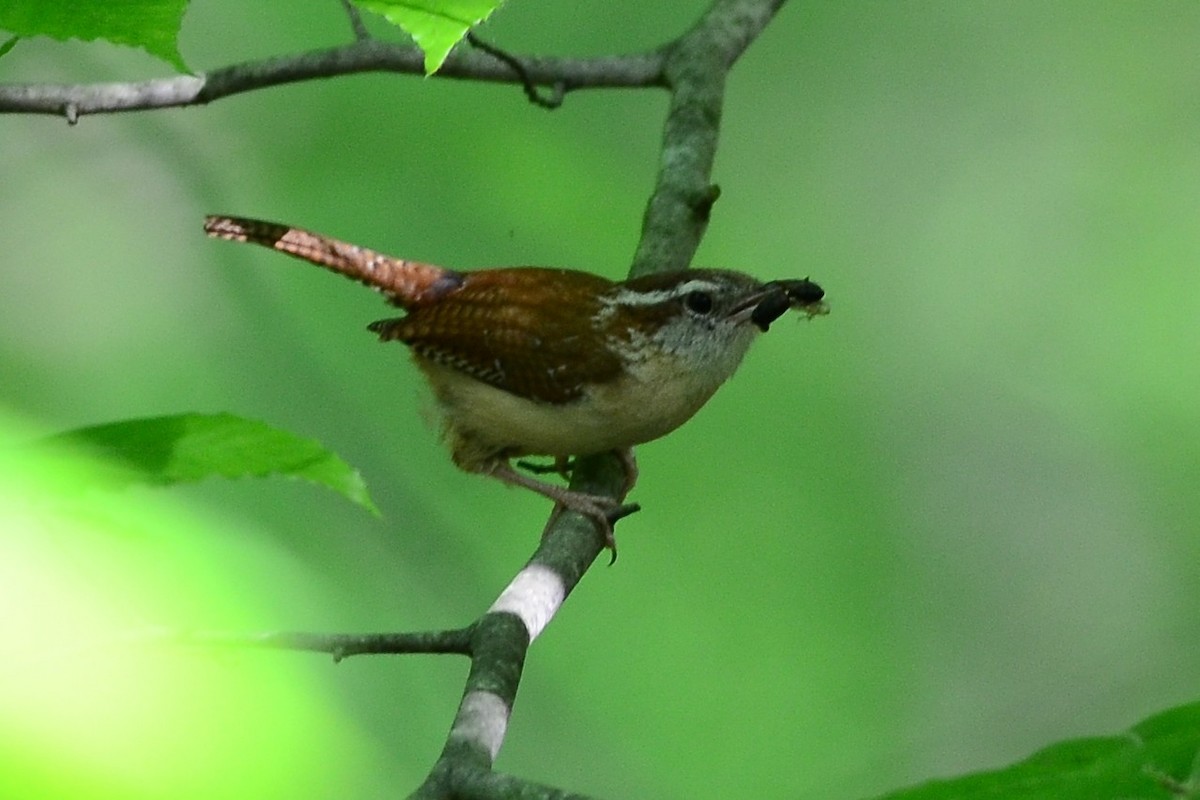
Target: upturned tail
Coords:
[(405, 283)]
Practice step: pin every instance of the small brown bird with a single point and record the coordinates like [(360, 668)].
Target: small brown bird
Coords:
[(555, 362)]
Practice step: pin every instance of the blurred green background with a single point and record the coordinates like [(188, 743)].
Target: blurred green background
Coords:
[(947, 524)]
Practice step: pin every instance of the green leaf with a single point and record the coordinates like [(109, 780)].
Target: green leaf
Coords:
[(152, 25), (9, 45), (190, 447), (93, 586), (435, 25), (1157, 758)]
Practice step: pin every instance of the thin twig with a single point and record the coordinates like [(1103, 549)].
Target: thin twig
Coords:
[(531, 90), (356, 22), (338, 645)]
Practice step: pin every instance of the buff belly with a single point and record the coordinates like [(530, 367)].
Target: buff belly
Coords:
[(484, 422)]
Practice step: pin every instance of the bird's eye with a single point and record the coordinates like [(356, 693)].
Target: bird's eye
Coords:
[(698, 302)]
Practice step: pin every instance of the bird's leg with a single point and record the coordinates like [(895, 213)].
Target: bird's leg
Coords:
[(629, 464), (564, 466), (601, 510), (561, 465)]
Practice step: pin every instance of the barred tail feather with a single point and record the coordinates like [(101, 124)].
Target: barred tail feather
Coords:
[(405, 283)]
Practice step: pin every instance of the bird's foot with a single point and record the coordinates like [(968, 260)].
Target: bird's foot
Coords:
[(604, 513)]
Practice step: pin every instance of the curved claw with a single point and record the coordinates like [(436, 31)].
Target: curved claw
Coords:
[(608, 521), (602, 511)]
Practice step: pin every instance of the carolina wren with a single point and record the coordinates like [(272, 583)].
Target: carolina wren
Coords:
[(554, 362)]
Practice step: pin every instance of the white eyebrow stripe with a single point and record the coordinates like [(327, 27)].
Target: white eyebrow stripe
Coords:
[(630, 297)]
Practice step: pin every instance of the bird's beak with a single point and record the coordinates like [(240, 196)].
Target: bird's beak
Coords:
[(773, 300)]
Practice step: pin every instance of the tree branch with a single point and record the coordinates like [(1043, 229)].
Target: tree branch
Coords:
[(675, 220), (365, 55), (696, 65)]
